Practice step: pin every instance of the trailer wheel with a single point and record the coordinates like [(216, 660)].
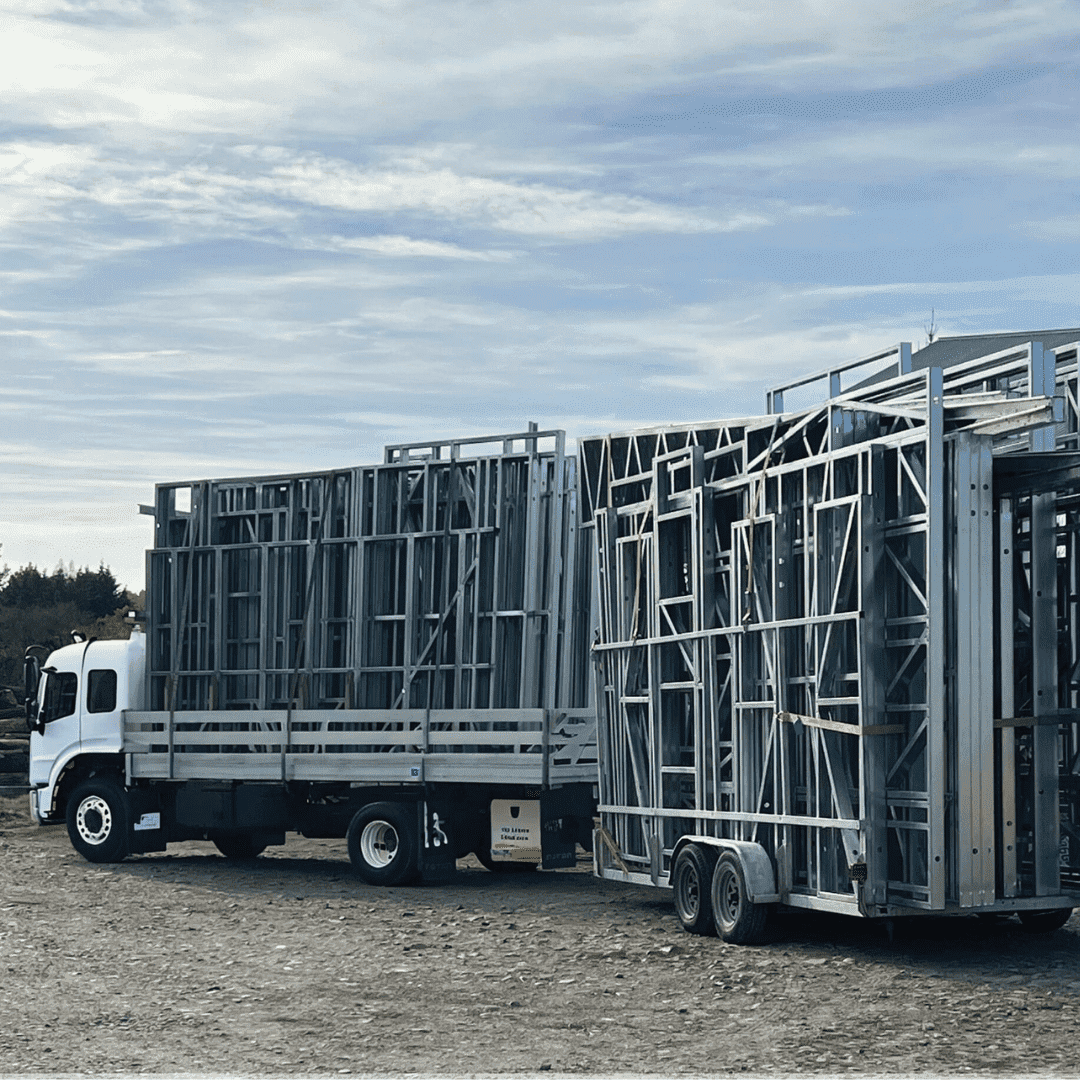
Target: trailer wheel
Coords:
[(238, 847), (383, 844), (1044, 922), (97, 821), (691, 880), (739, 921)]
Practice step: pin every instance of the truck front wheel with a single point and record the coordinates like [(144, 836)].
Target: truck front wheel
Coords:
[(97, 821), (383, 844)]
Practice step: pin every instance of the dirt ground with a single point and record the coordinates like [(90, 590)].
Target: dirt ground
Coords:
[(183, 963)]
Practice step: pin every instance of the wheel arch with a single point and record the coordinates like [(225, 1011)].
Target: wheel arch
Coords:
[(755, 862), (78, 768)]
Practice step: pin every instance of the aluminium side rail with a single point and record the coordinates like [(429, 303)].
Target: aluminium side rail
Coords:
[(534, 747)]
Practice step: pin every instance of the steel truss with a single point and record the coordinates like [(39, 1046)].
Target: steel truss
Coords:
[(850, 635), (439, 595)]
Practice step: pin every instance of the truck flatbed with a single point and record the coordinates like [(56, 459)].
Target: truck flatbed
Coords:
[(533, 747)]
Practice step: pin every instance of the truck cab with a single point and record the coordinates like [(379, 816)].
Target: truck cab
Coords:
[(129, 781), (75, 715)]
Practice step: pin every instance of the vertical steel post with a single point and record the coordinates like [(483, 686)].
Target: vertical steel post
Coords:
[(903, 365), (1005, 662), (873, 679), (936, 629), (531, 630), (1044, 682), (972, 476), (554, 555), (1043, 378)]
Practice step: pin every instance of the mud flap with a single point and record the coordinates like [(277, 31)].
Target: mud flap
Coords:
[(560, 827), (437, 861), (146, 823)]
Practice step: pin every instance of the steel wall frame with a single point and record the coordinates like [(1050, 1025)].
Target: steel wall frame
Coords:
[(836, 697), (449, 581)]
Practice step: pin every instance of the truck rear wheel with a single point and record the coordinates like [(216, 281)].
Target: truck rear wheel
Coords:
[(739, 921), (384, 847), (691, 881), (239, 847), (97, 821)]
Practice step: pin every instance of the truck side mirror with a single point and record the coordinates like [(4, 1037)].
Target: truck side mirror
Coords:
[(31, 681)]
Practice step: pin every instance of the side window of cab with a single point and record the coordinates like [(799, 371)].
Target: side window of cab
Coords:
[(101, 691), (61, 692)]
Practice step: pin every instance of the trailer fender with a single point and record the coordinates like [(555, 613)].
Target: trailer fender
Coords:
[(756, 865)]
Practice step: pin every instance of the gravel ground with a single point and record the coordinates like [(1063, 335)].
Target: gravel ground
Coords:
[(183, 963)]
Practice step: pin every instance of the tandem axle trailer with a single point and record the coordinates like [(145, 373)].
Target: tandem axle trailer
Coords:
[(839, 646)]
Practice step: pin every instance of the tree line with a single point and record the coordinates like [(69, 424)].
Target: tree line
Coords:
[(38, 608)]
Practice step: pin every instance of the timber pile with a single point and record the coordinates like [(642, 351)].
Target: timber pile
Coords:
[(14, 743)]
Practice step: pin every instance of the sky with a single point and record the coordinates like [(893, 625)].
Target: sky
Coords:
[(255, 238)]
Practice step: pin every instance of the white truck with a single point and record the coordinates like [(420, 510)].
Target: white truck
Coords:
[(128, 781), (393, 654)]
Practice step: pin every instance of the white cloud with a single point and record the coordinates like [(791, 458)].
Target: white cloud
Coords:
[(932, 145), (771, 332), (208, 200), (1065, 227), (404, 247), (374, 67), (528, 209)]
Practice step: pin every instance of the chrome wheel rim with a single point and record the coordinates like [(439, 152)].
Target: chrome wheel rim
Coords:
[(379, 843), (94, 820)]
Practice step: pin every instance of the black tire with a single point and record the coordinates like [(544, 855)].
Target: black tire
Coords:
[(738, 920), (384, 847), (97, 820), (488, 863), (239, 847), (1044, 922), (691, 880)]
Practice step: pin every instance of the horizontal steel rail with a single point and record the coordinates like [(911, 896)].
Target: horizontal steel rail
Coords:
[(529, 746)]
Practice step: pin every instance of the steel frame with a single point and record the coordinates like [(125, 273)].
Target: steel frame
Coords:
[(813, 629), (440, 599)]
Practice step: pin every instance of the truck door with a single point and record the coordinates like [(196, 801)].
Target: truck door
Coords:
[(58, 718), (100, 717)]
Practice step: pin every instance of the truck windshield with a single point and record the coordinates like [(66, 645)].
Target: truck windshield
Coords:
[(61, 689)]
